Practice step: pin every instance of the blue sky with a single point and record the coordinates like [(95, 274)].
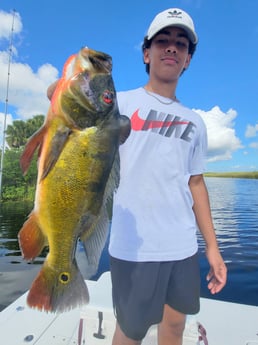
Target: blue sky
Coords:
[(221, 83)]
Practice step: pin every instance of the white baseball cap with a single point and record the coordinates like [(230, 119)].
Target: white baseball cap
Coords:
[(173, 17)]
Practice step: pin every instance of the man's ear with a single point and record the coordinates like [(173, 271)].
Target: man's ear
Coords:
[(146, 58), (187, 61)]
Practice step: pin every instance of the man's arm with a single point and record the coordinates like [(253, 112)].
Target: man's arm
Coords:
[(217, 275)]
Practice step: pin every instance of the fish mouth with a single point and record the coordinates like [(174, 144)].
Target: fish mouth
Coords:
[(100, 62), (89, 94)]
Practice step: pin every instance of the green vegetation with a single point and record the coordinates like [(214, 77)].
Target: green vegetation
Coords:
[(251, 174), (15, 186)]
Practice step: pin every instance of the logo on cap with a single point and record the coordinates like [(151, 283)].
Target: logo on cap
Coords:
[(175, 13)]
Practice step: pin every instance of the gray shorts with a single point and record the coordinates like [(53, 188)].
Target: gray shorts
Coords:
[(141, 289)]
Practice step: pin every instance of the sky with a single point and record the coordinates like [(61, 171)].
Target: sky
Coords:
[(221, 84)]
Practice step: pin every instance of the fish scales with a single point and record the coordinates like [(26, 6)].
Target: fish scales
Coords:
[(78, 171)]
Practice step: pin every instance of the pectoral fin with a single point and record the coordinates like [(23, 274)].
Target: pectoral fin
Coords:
[(32, 145), (125, 128), (94, 244), (55, 148)]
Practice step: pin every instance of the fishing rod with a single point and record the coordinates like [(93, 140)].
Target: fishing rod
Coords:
[(6, 102)]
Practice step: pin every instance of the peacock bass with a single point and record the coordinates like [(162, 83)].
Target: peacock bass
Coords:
[(78, 172)]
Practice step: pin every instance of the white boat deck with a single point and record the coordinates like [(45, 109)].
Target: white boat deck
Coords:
[(225, 323)]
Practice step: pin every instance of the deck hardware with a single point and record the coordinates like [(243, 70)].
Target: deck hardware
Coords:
[(99, 334), (29, 338), (80, 332)]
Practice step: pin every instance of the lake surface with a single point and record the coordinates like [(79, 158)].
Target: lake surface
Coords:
[(234, 204)]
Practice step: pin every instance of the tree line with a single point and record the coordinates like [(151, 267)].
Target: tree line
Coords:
[(15, 186)]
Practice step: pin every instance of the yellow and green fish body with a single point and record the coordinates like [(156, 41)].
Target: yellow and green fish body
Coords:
[(78, 171)]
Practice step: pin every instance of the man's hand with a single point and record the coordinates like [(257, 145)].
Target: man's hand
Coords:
[(51, 90), (217, 276)]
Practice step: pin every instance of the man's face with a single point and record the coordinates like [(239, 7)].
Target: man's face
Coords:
[(168, 54)]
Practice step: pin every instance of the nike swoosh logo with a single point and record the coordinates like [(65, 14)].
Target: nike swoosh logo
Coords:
[(138, 124)]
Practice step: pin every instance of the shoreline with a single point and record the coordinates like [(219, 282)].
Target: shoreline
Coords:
[(243, 174)]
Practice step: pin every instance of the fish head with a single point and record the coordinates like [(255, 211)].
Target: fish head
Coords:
[(85, 95)]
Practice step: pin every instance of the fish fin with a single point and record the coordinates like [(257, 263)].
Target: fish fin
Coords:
[(34, 142), (55, 148), (112, 185), (54, 291), (125, 128), (31, 238), (113, 180), (94, 244)]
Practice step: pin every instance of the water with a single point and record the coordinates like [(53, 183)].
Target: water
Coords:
[(234, 205)]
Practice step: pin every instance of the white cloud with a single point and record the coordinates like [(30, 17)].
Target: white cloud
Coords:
[(6, 21), (27, 91), (254, 145), (27, 88), (222, 139), (251, 131)]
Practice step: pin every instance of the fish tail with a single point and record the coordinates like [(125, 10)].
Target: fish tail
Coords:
[(31, 239), (58, 292)]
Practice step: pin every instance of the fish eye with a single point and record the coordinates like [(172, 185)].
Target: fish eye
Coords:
[(108, 96)]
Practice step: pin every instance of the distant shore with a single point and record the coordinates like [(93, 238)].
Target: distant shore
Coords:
[(249, 174)]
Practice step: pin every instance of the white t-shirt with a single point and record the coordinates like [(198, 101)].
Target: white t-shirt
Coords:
[(153, 218)]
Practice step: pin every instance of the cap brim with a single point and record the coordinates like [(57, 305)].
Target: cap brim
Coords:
[(191, 35)]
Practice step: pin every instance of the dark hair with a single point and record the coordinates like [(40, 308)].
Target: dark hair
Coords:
[(147, 43)]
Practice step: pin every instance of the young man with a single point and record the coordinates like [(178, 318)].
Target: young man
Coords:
[(161, 197)]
